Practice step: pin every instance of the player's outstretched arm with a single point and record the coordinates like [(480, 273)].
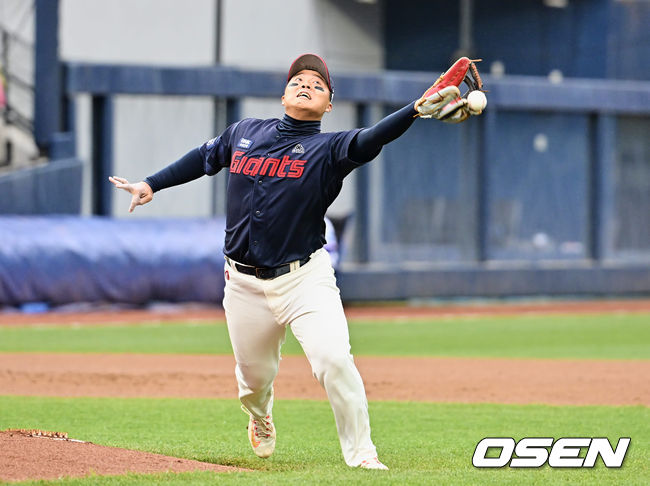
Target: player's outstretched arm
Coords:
[(141, 192), (186, 169), (369, 141)]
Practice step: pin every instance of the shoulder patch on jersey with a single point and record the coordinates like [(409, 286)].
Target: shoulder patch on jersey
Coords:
[(210, 143), (298, 149), (244, 143)]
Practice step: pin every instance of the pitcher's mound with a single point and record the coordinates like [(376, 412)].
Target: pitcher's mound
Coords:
[(36, 454)]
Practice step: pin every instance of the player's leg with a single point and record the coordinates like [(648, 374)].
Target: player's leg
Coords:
[(256, 339), (321, 328)]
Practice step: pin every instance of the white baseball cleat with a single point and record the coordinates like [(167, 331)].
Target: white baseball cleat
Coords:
[(373, 463), (261, 435)]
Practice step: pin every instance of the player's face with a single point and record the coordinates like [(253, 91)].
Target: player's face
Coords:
[(306, 96)]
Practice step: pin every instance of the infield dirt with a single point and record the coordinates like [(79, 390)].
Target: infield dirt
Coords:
[(557, 382)]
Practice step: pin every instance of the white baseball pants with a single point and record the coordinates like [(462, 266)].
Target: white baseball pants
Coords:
[(308, 300)]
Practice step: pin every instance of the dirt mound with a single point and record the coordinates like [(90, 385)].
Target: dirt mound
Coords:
[(33, 454)]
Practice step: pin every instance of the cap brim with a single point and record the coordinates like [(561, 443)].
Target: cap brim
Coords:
[(311, 62)]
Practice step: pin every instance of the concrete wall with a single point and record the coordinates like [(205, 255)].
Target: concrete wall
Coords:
[(150, 132)]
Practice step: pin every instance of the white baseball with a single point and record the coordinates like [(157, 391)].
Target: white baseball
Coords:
[(476, 101)]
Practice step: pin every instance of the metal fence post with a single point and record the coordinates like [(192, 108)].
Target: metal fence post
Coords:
[(102, 154), (4, 65), (47, 73), (362, 201), (601, 188), (487, 139)]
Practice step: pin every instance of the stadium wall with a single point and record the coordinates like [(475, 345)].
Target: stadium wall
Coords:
[(545, 194), (593, 270)]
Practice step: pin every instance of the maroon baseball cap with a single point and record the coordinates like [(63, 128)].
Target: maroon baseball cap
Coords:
[(313, 63)]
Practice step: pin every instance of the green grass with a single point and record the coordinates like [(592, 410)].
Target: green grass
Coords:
[(616, 336), (423, 443)]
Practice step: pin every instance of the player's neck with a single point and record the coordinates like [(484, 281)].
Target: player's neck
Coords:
[(303, 114), (291, 126)]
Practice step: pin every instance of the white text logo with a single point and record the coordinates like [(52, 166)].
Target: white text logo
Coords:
[(244, 143), (564, 452)]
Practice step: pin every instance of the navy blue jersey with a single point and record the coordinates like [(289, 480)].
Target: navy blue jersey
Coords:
[(284, 174), (280, 185)]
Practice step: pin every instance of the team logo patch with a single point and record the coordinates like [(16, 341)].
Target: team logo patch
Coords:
[(210, 143), (244, 143), (298, 149)]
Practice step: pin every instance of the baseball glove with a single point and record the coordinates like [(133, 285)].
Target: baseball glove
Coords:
[(443, 100)]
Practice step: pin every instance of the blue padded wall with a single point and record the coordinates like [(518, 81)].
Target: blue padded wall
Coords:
[(59, 260)]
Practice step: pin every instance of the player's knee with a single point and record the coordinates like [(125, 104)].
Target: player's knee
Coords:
[(257, 377), (331, 365)]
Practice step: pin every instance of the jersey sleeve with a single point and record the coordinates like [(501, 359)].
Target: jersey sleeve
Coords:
[(216, 153), (369, 141), (340, 151)]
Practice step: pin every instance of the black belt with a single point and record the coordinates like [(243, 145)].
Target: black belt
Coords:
[(266, 273)]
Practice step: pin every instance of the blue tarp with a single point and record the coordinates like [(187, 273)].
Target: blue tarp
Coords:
[(65, 259)]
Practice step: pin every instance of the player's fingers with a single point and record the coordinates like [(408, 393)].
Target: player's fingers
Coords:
[(126, 187), (121, 183), (135, 201), (139, 199)]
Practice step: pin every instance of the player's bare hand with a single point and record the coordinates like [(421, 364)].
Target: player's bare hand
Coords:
[(141, 192)]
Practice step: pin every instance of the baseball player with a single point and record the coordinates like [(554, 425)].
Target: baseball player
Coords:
[(284, 174)]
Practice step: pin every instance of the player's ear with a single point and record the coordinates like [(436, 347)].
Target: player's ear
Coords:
[(282, 99), (329, 108)]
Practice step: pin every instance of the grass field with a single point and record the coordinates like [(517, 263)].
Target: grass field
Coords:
[(423, 443), (617, 336)]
